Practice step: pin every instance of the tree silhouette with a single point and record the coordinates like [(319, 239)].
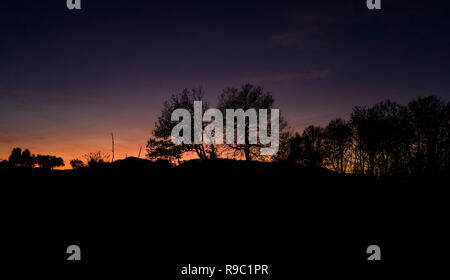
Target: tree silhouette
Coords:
[(164, 149), (77, 163), (358, 122), (15, 159), (338, 142), (392, 139), (313, 148), (285, 146), (387, 139), (444, 143), (294, 149), (49, 162), (28, 159), (430, 121), (164, 126), (4, 164), (382, 136), (22, 158), (248, 97), (394, 136)]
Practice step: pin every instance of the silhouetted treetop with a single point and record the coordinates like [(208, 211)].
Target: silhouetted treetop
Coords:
[(164, 126), (249, 97), (49, 162)]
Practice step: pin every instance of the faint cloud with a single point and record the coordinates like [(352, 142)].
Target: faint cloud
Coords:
[(295, 38), (283, 77), (7, 139), (52, 95), (319, 74), (314, 27)]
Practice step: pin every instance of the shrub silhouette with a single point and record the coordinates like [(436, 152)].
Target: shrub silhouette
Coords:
[(77, 163), (164, 149), (97, 159)]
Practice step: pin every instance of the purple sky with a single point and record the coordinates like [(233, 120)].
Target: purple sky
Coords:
[(70, 78)]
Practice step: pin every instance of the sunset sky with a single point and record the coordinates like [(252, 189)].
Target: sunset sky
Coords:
[(69, 78)]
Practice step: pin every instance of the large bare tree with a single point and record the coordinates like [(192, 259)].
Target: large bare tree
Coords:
[(245, 98), (160, 146)]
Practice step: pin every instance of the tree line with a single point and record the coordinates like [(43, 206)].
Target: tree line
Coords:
[(25, 158), (385, 139)]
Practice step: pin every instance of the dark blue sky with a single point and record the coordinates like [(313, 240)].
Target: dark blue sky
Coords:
[(69, 78)]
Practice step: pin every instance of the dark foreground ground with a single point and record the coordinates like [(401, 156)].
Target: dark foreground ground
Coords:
[(150, 220)]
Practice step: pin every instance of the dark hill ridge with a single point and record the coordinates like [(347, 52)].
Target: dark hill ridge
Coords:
[(265, 173), (225, 169), (258, 207), (242, 164), (134, 162)]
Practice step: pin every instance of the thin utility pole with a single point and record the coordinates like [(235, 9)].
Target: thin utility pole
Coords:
[(112, 138), (139, 155)]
